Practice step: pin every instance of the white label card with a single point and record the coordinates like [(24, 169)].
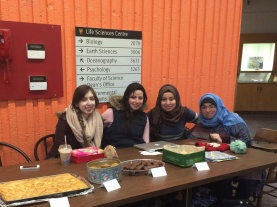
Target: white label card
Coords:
[(59, 202), (158, 172), (202, 166), (111, 185)]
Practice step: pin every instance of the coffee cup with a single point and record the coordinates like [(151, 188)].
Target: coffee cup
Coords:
[(65, 153)]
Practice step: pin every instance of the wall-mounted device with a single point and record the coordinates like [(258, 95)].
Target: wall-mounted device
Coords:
[(35, 51), (37, 83), (5, 53)]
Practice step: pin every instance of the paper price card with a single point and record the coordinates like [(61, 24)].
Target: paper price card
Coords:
[(158, 172), (111, 185)]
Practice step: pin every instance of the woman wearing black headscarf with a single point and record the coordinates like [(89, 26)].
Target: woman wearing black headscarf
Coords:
[(168, 118)]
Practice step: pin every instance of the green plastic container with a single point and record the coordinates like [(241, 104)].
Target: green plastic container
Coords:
[(183, 160)]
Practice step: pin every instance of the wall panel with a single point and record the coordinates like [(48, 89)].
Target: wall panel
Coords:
[(259, 16), (192, 44), (147, 49)]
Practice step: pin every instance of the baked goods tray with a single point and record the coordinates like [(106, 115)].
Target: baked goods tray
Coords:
[(19, 192), (140, 166)]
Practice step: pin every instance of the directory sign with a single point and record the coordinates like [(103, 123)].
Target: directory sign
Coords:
[(108, 60)]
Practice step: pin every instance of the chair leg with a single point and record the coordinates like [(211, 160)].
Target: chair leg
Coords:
[(259, 200), (254, 197)]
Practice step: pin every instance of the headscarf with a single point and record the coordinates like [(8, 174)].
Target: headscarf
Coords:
[(222, 116), (168, 117)]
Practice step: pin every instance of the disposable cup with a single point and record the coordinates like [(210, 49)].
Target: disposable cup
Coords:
[(65, 153)]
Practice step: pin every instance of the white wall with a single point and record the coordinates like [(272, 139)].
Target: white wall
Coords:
[(259, 16)]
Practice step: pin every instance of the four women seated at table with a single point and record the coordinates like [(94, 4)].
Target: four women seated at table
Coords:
[(125, 124)]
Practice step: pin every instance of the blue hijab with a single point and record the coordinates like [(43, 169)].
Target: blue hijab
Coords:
[(222, 116)]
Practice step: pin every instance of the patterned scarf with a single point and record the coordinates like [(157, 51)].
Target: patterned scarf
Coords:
[(93, 127)]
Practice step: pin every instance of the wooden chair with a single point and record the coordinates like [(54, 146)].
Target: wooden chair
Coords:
[(16, 149), (266, 139), (47, 141), (265, 135)]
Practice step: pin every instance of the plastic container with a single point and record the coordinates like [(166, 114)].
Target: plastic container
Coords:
[(183, 160), (86, 154)]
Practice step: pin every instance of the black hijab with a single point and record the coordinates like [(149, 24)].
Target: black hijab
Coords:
[(167, 117)]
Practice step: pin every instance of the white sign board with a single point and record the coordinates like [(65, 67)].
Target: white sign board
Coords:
[(107, 60)]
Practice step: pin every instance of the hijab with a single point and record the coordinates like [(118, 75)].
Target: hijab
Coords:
[(168, 117), (222, 115)]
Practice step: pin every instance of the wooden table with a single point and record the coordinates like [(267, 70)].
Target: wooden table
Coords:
[(135, 188)]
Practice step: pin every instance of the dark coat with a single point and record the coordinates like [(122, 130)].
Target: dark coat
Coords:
[(62, 129)]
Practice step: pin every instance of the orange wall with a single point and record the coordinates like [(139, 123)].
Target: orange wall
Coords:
[(192, 44)]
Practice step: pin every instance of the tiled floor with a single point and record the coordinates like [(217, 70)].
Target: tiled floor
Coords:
[(269, 201), (262, 120), (259, 120)]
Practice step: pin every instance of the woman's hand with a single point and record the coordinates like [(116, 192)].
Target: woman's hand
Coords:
[(215, 137)]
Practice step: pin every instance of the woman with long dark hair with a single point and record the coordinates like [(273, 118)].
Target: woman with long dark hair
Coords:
[(81, 122), (125, 123)]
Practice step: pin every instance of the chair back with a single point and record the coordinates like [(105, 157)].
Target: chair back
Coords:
[(46, 142), (266, 135), (16, 149)]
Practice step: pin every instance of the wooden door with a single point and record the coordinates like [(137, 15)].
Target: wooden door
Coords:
[(268, 97)]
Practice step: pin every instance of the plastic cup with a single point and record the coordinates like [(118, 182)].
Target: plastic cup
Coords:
[(65, 153)]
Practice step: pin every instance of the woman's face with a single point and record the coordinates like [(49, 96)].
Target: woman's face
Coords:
[(87, 104), (208, 110), (136, 100), (168, 102)]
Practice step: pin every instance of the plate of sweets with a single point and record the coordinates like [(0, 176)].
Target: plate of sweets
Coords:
[(140, 166)]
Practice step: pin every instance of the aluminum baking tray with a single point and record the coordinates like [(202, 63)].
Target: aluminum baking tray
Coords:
[(72, 193)]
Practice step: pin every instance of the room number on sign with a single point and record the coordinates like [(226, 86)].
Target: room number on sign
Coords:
[(135, 68), (135, 43), (135, 60), (135, 52)]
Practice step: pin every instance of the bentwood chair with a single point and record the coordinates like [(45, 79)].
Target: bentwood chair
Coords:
[(45, 142), (16, 149), (266, 139)]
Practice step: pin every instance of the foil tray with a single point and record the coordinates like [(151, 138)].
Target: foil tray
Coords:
[(45, 198)]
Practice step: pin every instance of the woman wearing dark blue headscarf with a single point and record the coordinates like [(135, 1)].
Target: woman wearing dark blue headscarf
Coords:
[(219, 124)]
